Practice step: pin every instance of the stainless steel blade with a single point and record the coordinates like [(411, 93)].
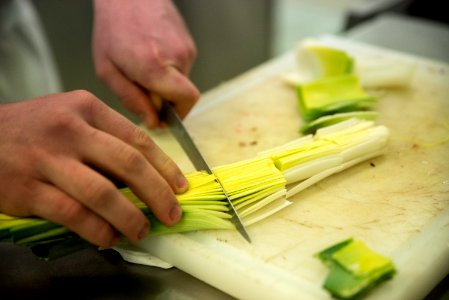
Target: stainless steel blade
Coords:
[(175, 125)]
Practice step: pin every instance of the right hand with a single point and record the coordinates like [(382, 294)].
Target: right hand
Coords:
[(143, 50), (51, 150)]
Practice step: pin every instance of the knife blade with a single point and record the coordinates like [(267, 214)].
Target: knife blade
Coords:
[(176, 127)]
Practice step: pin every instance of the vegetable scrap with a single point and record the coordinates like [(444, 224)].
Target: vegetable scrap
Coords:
[(332, 95), (355, 269), (331, 86)]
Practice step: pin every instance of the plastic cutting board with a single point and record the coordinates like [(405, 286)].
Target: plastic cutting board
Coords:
[(398, 204)]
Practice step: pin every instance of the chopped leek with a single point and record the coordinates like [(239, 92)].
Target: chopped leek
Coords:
[(331, 92), (258, 187), (331, 146), (327, 120), (319, 61), (355, 269), (331, 95), (378, 73), (330, 61)]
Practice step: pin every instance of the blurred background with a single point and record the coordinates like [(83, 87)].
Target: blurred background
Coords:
[(233, 36)]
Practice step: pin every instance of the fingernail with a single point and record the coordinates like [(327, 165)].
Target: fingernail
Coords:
[(175, 213), (182, 184), (143, 231)]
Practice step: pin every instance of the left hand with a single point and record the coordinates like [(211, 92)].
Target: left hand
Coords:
[(142, 50)]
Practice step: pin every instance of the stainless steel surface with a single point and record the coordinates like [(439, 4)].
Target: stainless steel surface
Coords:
[(174, 122), (92, 274)]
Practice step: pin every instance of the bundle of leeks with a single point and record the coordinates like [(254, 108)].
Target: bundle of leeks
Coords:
[(258, 187)]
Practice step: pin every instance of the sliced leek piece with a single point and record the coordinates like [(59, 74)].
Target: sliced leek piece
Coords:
[(378, 73), (192, 221), (313, 126), (331, 95), (328, 61), (355, 269), (316, 61)]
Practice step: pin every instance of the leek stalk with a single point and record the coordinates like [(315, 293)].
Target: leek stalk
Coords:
[(258, 187)]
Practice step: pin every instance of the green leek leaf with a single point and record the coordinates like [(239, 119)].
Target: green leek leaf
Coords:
[(331, 95), (355, 269)]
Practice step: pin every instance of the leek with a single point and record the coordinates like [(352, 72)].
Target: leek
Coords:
[(331, 92), (328, 120), (332, 95), (355, 269), (258, 187), (334, 146), (332, 61), (320, 61)]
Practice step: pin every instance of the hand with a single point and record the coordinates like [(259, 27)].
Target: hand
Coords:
[(50, 150), (143, 50)]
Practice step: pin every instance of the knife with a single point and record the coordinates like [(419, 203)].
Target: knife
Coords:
[(176, 127)]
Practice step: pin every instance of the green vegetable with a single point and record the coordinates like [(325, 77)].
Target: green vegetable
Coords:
[(332, 92), (354, 269), (332, 95), (330, 147), (317, 61), (331, 61), (258, 187), (328, 120)]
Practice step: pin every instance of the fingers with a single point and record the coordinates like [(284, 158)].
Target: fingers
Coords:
[(133, 97), (174, 86), (109, 137), (58, 207), (105, 149), (98, 195), (144, 178), (143, 97), (137, 97)]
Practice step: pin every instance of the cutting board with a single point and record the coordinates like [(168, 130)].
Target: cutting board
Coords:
[(398, 204)]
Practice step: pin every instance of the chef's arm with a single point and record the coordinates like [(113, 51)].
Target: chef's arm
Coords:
[(141, 49)]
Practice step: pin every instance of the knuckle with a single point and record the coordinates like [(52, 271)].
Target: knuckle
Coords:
[(167, 166), (185, 53), (141, 140), (99, 194), (163, 194), (64, 124), (71, 213), (67, 117), (184, 47), (83, 95), (89, 104), (133, 161)]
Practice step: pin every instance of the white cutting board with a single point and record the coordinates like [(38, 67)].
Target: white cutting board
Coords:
[(398, 204)]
